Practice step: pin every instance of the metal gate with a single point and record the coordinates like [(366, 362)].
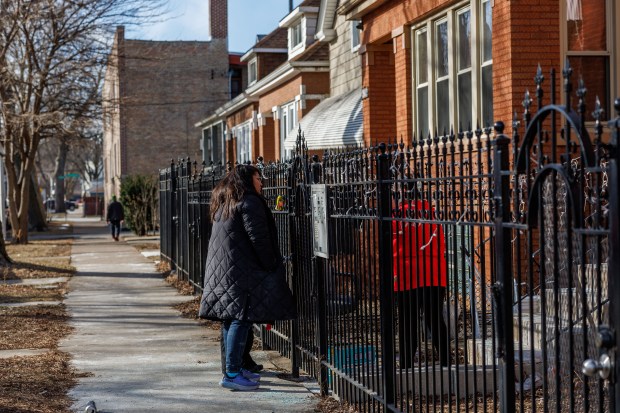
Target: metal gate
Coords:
[(557, 258)]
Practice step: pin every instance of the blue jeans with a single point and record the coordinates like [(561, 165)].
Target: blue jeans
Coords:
[(235, 334)]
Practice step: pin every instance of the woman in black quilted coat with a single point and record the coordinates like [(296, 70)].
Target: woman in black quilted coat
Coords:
[(245, 280)]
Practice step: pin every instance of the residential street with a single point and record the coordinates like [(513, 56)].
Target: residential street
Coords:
[(142, 354)]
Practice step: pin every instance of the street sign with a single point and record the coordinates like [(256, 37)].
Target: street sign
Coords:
[(69, 175)]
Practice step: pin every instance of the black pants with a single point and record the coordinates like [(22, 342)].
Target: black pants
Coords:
[(411, 305), (115, 227)]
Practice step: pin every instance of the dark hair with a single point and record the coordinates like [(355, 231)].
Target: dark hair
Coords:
[(231, 189)]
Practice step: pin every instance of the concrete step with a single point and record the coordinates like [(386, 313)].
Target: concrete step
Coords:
[(484, 353), (435, 380), (568, 297)]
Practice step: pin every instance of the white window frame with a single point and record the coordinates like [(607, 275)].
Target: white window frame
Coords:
[(449, 16), (355, 35), (213, 138), (244, 142), (287, 111), (253, 71), (296, 35)]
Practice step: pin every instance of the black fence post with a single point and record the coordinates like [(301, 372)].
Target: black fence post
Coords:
[(294, 210), (174, 219), (614, 252), (502, 289), (385, 274), (318, 266)]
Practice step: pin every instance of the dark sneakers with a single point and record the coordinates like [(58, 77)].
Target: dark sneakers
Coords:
[(239, 382), (252, 366), (250, 376)]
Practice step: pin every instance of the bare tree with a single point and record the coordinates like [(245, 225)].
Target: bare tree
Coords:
[(51, 54)]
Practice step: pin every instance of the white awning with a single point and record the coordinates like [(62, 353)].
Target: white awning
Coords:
[(336, 122)]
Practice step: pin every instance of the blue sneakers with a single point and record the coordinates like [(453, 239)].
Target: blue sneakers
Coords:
[(239, 382), (250, 376)]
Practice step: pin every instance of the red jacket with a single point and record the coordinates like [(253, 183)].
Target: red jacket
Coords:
[(418, 249)]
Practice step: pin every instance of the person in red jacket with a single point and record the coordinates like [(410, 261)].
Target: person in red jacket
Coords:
[(419, 269)]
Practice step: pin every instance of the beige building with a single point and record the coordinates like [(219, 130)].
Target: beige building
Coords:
[(154, 92)]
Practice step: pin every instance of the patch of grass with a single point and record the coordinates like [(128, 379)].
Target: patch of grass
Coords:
[(146, 246), (33, 327), (25, 293), (37, 384), (39, 259)]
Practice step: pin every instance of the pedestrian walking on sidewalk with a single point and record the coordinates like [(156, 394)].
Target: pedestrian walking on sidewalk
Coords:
[(245, 279), (115, 217)]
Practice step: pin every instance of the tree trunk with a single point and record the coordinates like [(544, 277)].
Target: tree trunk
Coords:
[(36, 212), (19, 197), (4, 256), (59, 172)]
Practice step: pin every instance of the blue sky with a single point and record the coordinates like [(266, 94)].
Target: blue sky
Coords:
[(246, 19)]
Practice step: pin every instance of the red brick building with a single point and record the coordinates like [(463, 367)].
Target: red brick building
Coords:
[(287, 75), (433, 65), (154, 92)]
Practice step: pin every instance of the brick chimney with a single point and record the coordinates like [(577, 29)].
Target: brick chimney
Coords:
[(219, 19)]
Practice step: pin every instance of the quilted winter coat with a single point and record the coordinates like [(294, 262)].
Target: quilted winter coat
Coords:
[(244, 273)]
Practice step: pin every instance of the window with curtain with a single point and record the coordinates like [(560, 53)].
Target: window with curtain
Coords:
[(588, 48)]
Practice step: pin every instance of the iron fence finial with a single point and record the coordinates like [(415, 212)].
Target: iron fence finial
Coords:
[(539, 78)]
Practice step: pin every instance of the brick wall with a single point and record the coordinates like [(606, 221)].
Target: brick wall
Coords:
[(379, 108), (168, 87), (316, 83), (269, 149), (521, 40), (402, 78), (268, 62), (219, 19)]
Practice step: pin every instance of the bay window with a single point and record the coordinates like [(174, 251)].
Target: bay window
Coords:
[(453, 68)]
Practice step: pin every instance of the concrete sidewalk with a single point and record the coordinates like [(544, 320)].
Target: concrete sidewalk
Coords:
[(142, 355)]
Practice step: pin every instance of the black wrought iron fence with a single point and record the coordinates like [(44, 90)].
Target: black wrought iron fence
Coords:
[(468, 272)]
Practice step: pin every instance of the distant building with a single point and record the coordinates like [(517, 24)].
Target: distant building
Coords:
[(154, 92), (287, 76)]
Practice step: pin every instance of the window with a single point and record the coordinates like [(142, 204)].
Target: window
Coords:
[(252, 71), (355, 34), (213, 139), (588, 48), (288, 124), (244, 142), (294, 34), (453, 69), (236, 82)]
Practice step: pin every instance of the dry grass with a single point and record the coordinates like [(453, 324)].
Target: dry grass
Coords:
[(39, 259), (146, 246), (33, 327), (36, 383)]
